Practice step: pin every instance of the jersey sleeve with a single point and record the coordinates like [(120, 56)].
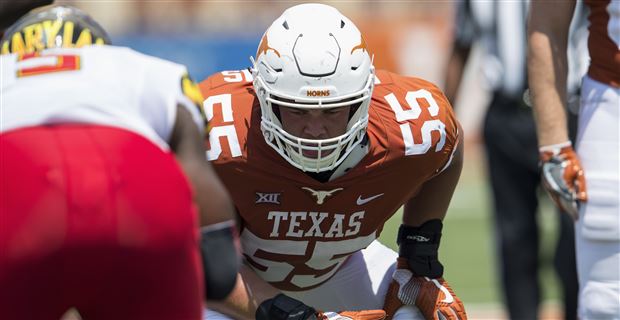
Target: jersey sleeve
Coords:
[(166, 85), (213, 81), (452, 128), (227, 80), (228, 106), (424, 121)]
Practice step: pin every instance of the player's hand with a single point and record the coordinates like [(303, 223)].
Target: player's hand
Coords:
[(433, 297), (563, 177), (352, 315)]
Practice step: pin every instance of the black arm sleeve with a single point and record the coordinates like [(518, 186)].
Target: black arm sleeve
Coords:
[(220, 259)]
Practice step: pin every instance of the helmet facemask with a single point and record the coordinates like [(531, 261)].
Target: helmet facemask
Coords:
[(293, 74)]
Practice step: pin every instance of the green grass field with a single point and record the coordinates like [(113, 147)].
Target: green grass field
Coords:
[(468, 245)]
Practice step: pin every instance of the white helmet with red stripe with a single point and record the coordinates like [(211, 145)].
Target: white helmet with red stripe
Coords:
[(313, 57)]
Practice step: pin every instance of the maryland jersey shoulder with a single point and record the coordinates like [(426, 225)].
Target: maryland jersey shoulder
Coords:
[(298, 231), (103, 85)]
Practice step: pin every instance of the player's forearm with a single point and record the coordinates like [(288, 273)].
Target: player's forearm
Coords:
[(454, 72), (548, 67), (212, 196), (433, 200), (548, 89), (248, 293), (187, 142)]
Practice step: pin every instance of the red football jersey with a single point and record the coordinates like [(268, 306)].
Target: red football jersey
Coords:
[(298, 231)]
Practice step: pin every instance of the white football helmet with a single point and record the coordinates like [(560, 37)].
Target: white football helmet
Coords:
[(313, 57)]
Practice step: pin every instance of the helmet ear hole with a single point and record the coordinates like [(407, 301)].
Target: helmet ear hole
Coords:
[(273, 61), (267, 73), (357, 58)]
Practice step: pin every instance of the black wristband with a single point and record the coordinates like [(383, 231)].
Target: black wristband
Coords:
[(420, 246), (283, 307)]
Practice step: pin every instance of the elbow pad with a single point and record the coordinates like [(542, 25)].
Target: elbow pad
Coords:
[(420, 246), (220, 259)]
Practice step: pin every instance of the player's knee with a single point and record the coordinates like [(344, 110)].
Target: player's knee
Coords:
[(600, 301), (599, 216), (220, 259)]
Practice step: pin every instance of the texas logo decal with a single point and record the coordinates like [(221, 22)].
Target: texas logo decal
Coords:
[(264, 46)]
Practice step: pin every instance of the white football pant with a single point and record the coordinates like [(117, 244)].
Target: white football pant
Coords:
[(597, 231), (360, 284)]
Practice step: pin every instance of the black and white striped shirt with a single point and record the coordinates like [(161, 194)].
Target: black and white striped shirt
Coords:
[(500, 27)]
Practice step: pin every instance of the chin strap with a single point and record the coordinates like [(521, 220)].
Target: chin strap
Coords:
[(356, 155)]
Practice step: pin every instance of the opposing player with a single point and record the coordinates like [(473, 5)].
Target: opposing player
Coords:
[(597, 211), (95, 211), (318, 150)]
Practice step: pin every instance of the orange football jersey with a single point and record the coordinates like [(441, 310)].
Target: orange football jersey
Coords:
[(604, 41), (297, 231)]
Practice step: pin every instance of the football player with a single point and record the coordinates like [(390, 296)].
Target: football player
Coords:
[(566, 173), (95, 211), (318, 150)]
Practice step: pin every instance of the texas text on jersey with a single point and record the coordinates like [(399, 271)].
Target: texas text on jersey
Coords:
[(298, 231)]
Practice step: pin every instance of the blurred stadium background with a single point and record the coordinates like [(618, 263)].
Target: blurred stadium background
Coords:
[(408, 37)]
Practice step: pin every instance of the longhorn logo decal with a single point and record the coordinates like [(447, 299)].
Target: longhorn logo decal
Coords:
[(320, 194), (264, 46), (362, 45)]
